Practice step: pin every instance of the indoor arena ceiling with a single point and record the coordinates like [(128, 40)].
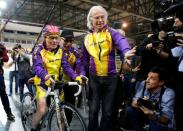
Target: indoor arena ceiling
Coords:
[(138, 14)]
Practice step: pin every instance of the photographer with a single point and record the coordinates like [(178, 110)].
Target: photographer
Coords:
[(13, 70), (155, 51), (178, 52), (23, 60), (4, 97), (153, 104)]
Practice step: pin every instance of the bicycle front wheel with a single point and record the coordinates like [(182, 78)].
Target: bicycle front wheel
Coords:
[(27, 110), (73, 118)]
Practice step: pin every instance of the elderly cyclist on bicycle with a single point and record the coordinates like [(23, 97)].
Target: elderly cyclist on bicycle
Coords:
[(48, 59)]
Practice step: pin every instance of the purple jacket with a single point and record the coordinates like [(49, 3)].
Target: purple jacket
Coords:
[(99, 51), (46, 62)]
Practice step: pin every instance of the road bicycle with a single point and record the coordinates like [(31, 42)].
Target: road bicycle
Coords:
[(60, 116)]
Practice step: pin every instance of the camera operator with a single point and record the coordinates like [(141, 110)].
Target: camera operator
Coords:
[(4, 97), (152, 104), (178, 52), (155, 51), (23, 60)]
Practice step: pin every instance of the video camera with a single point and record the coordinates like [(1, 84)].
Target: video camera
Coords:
[(165, 20), (150, 104), (16, 48), (152, 39)]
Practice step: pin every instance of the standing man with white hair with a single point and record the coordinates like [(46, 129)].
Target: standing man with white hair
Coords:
[(99, 56)]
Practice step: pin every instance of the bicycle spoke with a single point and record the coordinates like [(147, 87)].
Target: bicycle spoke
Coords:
[(28, 108), (74, 120)]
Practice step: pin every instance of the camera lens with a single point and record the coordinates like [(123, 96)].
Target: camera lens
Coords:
[(19, 46)]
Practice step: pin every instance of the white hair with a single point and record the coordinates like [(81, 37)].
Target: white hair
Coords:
[(90, 13)]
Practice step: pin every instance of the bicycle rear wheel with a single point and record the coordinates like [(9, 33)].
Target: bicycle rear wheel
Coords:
[(27, 110), (74, 119)]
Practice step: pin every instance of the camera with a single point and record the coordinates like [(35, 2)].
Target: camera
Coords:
[(17, 46), (152, 39), (165, 25), (156, 43), (165, 20), (151, 104)]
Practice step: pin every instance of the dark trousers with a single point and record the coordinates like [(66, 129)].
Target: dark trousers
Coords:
[(23, 82), (4, 97), (178, 101), (69, 98), (69, 94), (135, 120), (102, 90), (13, 74)]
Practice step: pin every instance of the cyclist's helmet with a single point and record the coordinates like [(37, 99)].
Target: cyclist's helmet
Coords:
[(50, 30)]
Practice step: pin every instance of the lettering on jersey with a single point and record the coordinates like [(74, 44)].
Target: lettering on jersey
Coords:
[(49, 61)]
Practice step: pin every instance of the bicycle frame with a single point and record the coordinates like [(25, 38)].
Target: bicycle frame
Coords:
[(56, 104)]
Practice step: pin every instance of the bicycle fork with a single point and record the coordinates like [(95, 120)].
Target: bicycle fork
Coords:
[(61, 117)]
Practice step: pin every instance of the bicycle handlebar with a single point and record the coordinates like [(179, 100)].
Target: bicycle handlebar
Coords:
[(79, 87), (62, 84)]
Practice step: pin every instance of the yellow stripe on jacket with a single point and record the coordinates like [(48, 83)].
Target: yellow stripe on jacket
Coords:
[(99, 46), (71, 58)]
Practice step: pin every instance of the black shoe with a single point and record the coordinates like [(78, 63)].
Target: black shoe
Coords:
[(11, 117), (10, 94)]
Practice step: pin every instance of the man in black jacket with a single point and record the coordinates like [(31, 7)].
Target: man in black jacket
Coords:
[(4, 97), (24, 69)]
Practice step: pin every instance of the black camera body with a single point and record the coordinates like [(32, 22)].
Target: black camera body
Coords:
[(151, 104), (151, 39), (156, 43), (17, 47), (172, 39)]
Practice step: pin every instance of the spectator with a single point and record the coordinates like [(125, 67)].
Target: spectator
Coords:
[(4, 97), (13, 71), (24, 70), (153, 103), (155, 50), (178, 52)]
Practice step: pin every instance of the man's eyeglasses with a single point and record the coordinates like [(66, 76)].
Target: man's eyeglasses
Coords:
[(99, 17), (69, 41), (52, 37)]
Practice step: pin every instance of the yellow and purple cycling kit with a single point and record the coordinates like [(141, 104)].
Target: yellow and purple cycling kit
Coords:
[(49, 62), (73, 58), (99, 51)]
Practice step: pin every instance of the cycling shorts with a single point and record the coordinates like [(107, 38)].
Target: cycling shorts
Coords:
[(41, 93)]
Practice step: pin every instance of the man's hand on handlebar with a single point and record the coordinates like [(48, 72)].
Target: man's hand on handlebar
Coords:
[(50, 80), (84, 79), (81, 79)]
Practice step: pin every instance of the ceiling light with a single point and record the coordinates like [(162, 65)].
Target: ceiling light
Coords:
[(140, 24), (169, 18), (161, 19), (2, 5), (124, 25)]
